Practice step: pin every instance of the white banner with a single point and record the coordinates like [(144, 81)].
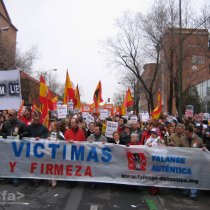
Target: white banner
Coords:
[(95, 162), (111, 127), (10, 91)]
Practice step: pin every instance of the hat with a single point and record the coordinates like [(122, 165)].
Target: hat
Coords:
[(199, 126), (155, 130), (126, 126)]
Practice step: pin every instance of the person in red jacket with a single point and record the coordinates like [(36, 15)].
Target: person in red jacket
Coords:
[(146, 134), (26, 117), (74, 133)]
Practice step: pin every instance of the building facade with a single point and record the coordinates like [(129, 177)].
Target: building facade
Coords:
[(8, 34), (195, 66)]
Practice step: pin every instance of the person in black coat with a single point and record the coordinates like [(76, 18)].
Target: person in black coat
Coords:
[(13, 127), (115, 139), (37, 131)]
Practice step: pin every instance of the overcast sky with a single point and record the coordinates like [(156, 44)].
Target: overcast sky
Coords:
[(68, 35)]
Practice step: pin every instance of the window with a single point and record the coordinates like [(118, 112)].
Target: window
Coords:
[(198, 59)]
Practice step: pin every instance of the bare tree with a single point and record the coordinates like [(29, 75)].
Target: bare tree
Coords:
[(25, 60), (125, 51)]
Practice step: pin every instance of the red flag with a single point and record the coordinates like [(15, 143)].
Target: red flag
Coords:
[(97, 97)]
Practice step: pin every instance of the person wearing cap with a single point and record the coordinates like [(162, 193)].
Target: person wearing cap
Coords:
[(125, 136), (154, 139)]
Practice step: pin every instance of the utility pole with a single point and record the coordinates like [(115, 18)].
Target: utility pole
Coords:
[(180, 62)]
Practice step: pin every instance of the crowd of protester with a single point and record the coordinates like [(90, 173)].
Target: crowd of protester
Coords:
[(185, 132)]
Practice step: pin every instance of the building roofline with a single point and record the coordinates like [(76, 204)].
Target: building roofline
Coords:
[(188, 30), (6, 11), (10, 23), (29, 77)]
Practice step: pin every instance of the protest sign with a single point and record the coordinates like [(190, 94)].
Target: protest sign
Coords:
[(104, 113), (89, 118), (62, 111), (144, 116), (111, 127), (10, 91)]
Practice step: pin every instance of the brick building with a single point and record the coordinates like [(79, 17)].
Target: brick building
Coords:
[(8, 33), (195, 65), (30, 89)]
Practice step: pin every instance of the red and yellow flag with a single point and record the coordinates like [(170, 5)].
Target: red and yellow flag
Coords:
[(128, 101), (45, 97), (45, 115), (43, 90), (97, 97), (123, 109), (69, 93), (158, 109), (77, 104), (54, 102)]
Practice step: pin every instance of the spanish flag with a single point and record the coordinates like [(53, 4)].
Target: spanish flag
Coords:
[(158, 109), (45, 97), (54, 102), (45, 115), (43, 91), (128, 101), (97, 97), (123, 109), (77, 99), (69, 93)]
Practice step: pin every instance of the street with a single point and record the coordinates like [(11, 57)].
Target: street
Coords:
[(101, 196)]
